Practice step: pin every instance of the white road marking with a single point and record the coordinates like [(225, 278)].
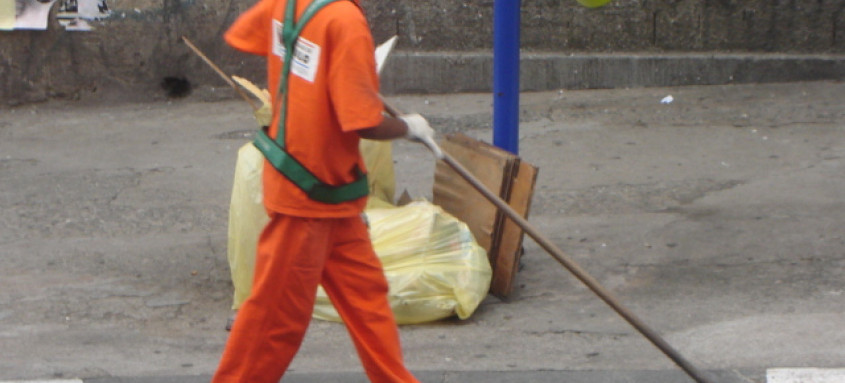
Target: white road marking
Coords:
[(43, 381), (805, 375)]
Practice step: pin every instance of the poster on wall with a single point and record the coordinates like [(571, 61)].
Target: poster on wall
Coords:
[(73, 15), (32, 14)]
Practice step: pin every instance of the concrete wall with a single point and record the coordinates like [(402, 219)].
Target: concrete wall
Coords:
[(129, 54)]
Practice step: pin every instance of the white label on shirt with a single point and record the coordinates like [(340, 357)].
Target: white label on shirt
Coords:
[(306, 57)]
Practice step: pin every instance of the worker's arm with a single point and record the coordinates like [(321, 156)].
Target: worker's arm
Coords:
[(411, 126), (390, 128)]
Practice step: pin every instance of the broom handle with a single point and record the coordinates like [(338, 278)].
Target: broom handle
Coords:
[(220, 72), (570, 265)]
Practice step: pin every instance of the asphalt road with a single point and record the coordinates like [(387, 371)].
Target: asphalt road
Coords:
[(718, 218)]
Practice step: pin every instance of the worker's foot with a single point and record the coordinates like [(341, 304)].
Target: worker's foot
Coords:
[(231, 321)]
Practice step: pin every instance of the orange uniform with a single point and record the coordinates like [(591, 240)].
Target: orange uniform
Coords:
[(333, 91)]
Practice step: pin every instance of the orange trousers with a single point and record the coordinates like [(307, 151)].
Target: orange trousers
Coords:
[(294, 256)]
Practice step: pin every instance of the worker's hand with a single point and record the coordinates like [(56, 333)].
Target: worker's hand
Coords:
[(263, 115), (419, 130)]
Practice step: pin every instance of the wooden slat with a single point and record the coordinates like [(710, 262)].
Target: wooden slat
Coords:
[(501, 172), (508, 172), (509, 248), (457, 197)]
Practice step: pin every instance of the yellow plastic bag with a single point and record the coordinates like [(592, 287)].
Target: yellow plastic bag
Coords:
[(247, 216), (378, 158), (434, 266)]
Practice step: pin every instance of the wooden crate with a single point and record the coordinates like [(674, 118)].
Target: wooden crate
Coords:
[(503, 173)]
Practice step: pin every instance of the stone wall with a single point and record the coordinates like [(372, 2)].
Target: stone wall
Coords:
[(627, 25), (129, 54)]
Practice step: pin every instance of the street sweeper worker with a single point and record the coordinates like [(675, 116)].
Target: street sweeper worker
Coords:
[(321, 67)]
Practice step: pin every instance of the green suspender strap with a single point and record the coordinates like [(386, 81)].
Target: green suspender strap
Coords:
[(274, 150)]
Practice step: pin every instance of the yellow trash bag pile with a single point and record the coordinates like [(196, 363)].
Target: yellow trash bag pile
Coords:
[(434, 266)]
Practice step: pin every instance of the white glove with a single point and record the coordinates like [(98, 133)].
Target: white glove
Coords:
[(419, 130)]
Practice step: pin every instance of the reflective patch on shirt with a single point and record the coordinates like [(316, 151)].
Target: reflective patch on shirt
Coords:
[(306, 57)]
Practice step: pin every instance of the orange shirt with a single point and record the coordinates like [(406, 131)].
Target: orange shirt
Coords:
[(333, 91)]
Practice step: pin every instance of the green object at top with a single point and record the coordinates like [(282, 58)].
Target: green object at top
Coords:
[(593, 3)]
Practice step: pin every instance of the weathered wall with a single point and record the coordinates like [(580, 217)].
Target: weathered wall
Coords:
[(629, 25), (129, 54)]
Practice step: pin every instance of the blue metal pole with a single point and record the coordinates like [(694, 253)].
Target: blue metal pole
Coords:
[(506, 74)]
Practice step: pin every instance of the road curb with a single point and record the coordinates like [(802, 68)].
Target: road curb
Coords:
[(454, 72), (608, 376)]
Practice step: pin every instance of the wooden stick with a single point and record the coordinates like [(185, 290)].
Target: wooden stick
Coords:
[(220, 72), (570, 265)]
